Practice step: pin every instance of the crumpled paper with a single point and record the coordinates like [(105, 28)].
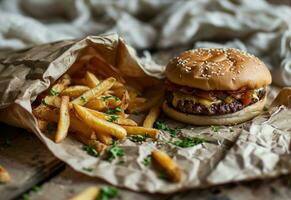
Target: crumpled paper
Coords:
[(256, 149), (262, 27)]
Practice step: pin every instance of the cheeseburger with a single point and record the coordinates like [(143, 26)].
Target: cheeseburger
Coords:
[(215, 87)]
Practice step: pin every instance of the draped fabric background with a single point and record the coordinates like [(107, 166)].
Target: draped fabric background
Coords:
[(260, 27)]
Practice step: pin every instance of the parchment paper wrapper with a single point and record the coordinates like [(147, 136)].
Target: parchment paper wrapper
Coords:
[(256, 149)]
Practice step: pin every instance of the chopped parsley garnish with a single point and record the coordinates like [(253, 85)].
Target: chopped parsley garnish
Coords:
[(188, 142), (112, 118), (147, 161), (265, 108), (107, 192), (83, 99), (87, 169), (163, 175), (114, 152), (53, 92), (164, 127), (113, 111), (104, 98), (43, 102), (25, 196), (50, 127), (215, 128), (35, 188), (90, 149), (138, 138)]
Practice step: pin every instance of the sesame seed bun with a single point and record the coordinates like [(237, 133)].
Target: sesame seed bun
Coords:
[(218, 69), (229, 119)]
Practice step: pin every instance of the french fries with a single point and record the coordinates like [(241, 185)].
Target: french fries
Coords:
[(64, 120), (74, 91), (61, 85), (171, 167), (46, 114), (99, 146), (98, 124), (4, 175), (152, 116), (94, 92), (53, 101), (102, 103), (89, 193), (120, 120), (138, 130), (91, 80)]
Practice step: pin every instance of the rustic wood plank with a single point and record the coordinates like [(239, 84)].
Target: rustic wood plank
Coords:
[(69, 183), (27, 160)]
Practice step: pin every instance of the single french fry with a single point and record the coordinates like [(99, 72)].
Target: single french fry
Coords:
[(152, 116), (4, 175), (91, 80), (96, 104), (117, 84), (168, 164), (148, 104), (64, 120), (44, 113), (94, 92), (99, 146), (104, 138), (120, 120), (74, 91), (89, 193), (138, 130), (140, 100), (102, 103), (99, 125), (54, 101), (119, 91), (64, 81)]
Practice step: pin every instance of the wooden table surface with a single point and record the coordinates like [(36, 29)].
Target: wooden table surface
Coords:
[(37, 174)]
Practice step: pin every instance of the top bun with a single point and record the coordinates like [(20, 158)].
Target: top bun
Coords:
[(218, 69)]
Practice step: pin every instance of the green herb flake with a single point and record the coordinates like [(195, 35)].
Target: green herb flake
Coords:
[(50, 127), (147, 161), (164, 127), (265, 109), (53, 92), (83, 99), (163, 175), (104, 98), (188, 142), (87, 169), (112, 118), (113, 111), (43, 102), (107, 193), (215, 128), (25, 196), (36, 188), (114, 152), (138, 138), (90, 149)]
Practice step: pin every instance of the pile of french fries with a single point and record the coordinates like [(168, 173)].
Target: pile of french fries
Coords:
[(95, 107)]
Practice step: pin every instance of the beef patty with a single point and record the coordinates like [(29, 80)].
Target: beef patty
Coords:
[(188, 106)]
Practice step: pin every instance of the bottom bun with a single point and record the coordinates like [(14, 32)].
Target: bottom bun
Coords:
[(243, 115)]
